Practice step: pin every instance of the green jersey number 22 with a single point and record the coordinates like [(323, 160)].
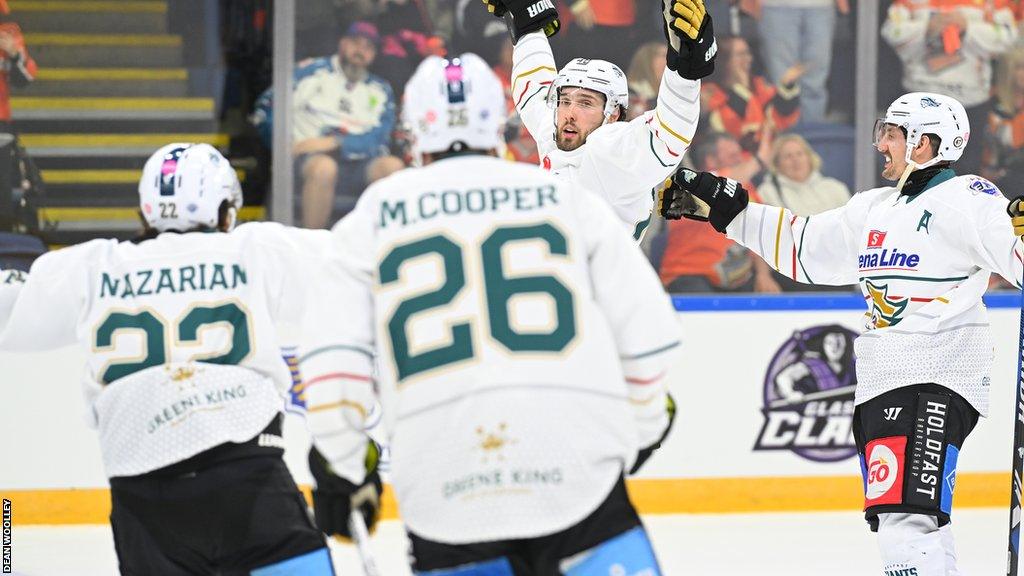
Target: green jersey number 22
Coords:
[(499, 291)]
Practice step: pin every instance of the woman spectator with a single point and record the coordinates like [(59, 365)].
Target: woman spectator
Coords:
[(644, 76), (1004, 150), (747, 106), (795, 180)]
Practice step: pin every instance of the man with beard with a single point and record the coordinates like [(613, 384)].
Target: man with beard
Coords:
[(577, 115), (342, 121)]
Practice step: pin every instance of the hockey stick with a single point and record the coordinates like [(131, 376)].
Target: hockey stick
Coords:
[(1013, 549), (361, 538)]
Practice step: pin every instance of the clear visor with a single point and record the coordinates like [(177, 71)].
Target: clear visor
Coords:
[(878, 132)]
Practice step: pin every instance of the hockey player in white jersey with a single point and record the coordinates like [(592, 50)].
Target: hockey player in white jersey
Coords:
[(519, 385), (184, 378), (922, 252), (577, 115)]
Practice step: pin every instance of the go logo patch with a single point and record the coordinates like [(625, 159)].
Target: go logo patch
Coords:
[(883, 471)]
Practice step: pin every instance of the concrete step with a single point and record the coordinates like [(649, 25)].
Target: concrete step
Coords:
[(105, 50), (130, 177), (82, 150), (61, 108), (67, 225), (123, 82), (96, 17)]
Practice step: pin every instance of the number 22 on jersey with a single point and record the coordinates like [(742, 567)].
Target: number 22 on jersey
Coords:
[(159, 336)]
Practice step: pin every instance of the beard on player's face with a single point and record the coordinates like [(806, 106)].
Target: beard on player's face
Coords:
[(580, 111)]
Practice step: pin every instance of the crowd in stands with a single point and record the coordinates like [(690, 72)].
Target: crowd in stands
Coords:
[(770, 112)]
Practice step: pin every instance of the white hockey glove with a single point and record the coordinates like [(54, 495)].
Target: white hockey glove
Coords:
[(648, 451)]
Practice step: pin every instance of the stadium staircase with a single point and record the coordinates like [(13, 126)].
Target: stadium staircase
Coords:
[(112, 87)]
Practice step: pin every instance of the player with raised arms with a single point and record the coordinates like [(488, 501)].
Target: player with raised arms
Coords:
[(577, 114), (922, 252)]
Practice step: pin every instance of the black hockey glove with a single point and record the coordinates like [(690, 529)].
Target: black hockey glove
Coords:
[(525, 16), (334, 497), (646, 453), (700, 196), (691, 38), (1016, 212)]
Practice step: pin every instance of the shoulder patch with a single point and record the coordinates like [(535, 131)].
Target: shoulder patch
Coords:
[(979, 185)]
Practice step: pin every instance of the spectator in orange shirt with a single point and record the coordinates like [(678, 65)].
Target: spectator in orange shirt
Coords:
[(601, 29), (697, 260), (746, 106), (17, 68)]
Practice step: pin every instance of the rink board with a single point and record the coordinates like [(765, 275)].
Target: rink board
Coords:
[(733, 350)]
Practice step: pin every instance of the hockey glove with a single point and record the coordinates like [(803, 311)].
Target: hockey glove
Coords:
[(646, 453), (1016, 212), (334, 497), (701, 196), (691, 38), (525, 16)]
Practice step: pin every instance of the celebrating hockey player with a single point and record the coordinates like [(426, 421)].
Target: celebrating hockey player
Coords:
[(577, 116), (922, 252), (184, 377), (519, 386)]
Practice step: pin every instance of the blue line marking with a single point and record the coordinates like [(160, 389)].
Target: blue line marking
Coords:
[(806, 302)]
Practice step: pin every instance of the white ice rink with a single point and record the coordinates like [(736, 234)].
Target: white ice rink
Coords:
[(829, 543)]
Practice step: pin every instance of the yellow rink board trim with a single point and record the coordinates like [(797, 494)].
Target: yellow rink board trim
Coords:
[(86, 6), (117, 140), (651, 496), (101, 176), (58, 103), (61, 39), (106, 74), (247, 213)]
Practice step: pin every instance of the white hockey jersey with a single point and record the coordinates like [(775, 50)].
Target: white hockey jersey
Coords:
[(923, 264), (523, 341), (623, 161), (180, 331)]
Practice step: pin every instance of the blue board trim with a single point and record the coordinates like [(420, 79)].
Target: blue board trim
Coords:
[(790, 302)]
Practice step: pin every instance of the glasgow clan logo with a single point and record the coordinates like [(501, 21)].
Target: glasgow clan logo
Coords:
[(808, 395)]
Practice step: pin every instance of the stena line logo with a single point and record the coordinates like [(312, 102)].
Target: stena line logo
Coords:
[(535, 9), (875, 239)]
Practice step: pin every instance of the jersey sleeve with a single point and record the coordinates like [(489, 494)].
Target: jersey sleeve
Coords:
[(639, 313), (819, 249), (666, 131), (533, 71), (992, 243), (337, 362), (43, 312)]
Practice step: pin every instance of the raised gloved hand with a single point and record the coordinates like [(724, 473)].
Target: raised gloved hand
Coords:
[(1016, 212), (700, 196), (334, 497), (525, 16), (691, 38)]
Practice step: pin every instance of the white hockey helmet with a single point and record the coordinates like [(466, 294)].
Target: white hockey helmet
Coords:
[(921, 113), (454, 103), (597, 75), (183, 186)]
